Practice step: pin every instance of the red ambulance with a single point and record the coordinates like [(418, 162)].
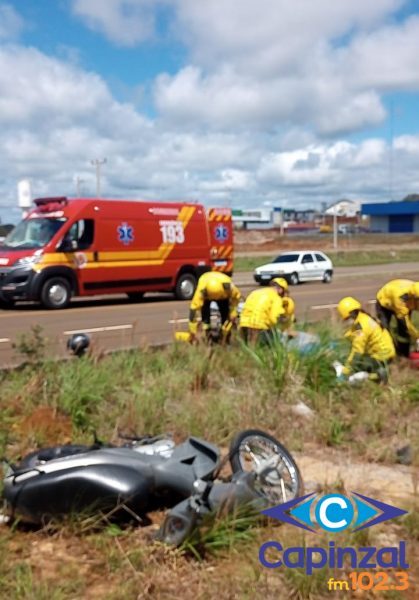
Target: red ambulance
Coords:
[(84, 247)]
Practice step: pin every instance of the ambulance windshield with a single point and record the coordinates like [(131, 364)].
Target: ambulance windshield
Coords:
[(32, 233)]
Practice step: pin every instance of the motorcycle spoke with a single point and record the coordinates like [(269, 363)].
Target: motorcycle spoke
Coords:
[(284, 497)]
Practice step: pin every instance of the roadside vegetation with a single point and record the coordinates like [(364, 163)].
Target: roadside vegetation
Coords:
[(205, 391)]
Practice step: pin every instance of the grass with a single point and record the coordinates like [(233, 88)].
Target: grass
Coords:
[(211, 392), (352, 258), (224, 532)]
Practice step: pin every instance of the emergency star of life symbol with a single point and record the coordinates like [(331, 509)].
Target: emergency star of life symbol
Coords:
[(125, 233), (221, 233)]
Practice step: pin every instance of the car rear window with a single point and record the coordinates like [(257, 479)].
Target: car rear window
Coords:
[(286, 258), (307, 258), (320, 257)]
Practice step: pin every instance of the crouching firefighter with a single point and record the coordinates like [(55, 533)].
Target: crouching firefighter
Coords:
[(264, 312), (372, 345), (399, 298), (217, 287)]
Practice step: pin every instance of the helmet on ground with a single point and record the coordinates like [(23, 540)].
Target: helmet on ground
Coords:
[(281, 282), (78, 343), (414, 290), (347, 305)]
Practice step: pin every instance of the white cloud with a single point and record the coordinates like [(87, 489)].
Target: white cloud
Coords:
[(258, 114), (276, 32), (321, 64), (124, 22), (333, 165), (386, 59), (11, 23), (407, 143), (33, 85), (227, 101)]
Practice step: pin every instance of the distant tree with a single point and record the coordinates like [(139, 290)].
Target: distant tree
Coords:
[(411, 198)]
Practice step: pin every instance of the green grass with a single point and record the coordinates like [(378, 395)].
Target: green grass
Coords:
[(210, 392), (222, 533), (342, 258)]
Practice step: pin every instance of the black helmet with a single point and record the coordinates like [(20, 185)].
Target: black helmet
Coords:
[(78, 343)]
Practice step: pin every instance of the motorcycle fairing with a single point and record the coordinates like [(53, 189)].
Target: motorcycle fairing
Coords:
[(103, 478)]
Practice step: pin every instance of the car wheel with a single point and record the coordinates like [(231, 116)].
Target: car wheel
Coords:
[(327, 277), (56, 293), (294, 279)]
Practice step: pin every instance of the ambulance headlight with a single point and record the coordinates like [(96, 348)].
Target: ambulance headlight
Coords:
[(26, 261)]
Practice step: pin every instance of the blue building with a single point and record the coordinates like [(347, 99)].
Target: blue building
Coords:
[(393, 217)]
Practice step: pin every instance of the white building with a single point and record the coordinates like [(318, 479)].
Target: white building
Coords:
[(344, 208)]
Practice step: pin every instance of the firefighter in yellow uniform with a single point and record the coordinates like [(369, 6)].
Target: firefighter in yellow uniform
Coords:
[(263, 311), (399, 298), (217, 287), (288, 319), (372, 345)]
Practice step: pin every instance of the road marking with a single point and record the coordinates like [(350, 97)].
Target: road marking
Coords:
[(4, 340), (315, 307), (322, 306), (98, 329)]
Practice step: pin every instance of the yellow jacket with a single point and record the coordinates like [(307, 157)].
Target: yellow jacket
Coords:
[(395, 295), (262, 309), (368, 339), (214, 286), (289, 316)]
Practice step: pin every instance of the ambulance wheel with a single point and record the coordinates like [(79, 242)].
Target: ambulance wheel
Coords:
[(6, 304), (56, 293), (185, 286)]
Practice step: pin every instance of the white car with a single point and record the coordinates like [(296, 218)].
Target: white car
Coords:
[(304, 265)]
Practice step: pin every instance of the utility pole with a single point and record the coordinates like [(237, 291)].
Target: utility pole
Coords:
[(97, 163), (391, 152), (79, 181), (335, 229)]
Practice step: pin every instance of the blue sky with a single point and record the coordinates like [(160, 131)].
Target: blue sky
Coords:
[(53, 29), (231, 102)]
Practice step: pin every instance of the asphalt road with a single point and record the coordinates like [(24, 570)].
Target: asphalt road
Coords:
[(113, 322)]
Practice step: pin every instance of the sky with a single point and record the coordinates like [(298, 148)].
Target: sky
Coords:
[(240, 103)]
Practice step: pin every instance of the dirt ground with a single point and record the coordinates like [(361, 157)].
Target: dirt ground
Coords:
[(269, 240)]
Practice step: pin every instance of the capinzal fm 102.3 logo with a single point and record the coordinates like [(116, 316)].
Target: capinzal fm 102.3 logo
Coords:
[(333, 513)]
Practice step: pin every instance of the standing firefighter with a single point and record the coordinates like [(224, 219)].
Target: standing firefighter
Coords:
[(219, 288), (399, 298), (372, 346), (263, 311)]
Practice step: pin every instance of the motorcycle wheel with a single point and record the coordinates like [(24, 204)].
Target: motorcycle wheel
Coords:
[(279, 483)]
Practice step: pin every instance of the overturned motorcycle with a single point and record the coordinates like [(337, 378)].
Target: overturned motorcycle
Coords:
[(145, 474)]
